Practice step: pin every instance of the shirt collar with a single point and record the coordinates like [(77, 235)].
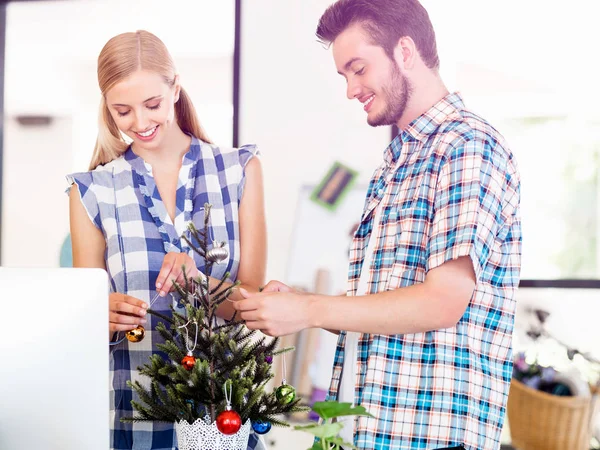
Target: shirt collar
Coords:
[(424, 125), (142, 167)]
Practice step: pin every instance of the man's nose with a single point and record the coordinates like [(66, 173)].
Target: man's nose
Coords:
[(352, 90)]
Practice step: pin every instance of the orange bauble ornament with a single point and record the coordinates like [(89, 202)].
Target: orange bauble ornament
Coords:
[(188, 361), (136, 335)]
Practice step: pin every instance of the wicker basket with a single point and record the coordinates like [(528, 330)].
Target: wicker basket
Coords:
[(539, 420)]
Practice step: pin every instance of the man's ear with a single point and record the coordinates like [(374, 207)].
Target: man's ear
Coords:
[(405, 53)]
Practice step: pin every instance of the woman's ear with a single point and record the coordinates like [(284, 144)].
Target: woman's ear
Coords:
[(177, 88)]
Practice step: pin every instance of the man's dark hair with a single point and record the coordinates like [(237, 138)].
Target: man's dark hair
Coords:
[(386, 21)]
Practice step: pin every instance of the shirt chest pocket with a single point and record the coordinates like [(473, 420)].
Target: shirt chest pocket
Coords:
[(384, 253), (405, 244)]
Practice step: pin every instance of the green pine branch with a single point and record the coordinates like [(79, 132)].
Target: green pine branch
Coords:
[(226, 354)]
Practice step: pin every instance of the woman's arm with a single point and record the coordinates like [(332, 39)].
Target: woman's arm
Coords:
[(87, 240), (253, 237), (125, 312), (253, 246), (253, 230)]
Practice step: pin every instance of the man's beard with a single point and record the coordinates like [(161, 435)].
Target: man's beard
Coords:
[(396, 93)]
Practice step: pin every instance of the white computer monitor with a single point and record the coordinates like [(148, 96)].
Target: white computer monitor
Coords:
[(54, 359)]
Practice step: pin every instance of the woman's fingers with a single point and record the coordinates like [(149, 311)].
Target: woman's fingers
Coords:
[(172, 270), (125, 312)]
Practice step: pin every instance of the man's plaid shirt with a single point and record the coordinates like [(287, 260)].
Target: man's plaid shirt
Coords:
[(449, 187)]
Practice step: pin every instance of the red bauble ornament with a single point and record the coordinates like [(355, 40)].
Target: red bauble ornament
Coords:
[(229, 422), (188, 362)]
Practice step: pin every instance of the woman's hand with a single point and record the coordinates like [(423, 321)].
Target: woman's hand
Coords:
[(172, 270), (125, 312)]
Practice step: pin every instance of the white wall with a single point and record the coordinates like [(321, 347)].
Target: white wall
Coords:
[(294, 106), (34, 206)]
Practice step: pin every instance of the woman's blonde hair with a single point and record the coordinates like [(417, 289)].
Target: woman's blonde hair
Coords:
[(123, 55)]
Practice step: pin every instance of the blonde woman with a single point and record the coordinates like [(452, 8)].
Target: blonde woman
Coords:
[(129, 211)]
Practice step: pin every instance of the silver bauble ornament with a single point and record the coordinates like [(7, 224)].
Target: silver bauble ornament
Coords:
[(218, 253)]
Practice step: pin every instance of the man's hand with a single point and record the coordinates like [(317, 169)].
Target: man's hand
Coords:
[(277, 311), (276, 286)]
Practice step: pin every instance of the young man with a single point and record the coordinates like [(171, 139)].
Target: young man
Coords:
[(425, 331)]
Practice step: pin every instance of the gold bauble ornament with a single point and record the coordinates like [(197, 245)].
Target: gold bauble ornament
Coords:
[(135, 335)]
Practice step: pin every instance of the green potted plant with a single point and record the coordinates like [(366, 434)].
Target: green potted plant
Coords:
[(327, 430)]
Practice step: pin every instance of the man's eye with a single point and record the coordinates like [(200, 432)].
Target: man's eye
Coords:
[(360, 71)]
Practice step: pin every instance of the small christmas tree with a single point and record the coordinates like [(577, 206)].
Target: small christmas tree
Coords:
[(213, 371)]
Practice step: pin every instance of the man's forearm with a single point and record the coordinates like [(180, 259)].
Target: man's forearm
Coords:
[(412, 309), (437, 303)]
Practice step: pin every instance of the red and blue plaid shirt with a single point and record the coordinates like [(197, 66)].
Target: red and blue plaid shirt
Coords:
[(448, 187)]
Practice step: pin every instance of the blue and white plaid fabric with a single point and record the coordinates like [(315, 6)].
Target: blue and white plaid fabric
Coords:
[(122, 200), (448, 187)]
